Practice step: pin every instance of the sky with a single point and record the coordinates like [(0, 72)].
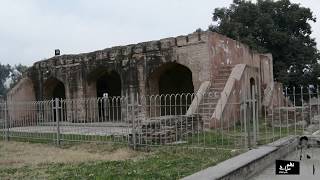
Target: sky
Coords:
[(30, 30)]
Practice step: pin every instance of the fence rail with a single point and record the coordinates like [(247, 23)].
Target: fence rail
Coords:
[(162, 120)]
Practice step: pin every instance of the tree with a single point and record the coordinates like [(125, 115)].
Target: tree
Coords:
[(9, 76), (278, 27), (16, 73), (4, 74)]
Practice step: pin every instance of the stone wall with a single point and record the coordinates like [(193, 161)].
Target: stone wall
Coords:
[(134, 63), (22, 91), (139, 67)]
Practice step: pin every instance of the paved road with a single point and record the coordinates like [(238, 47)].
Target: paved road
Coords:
[(306, 167)]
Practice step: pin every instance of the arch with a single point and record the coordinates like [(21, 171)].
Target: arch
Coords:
[(171, 78), (105, 84), (108, 82), (54, 88), (252, 85)]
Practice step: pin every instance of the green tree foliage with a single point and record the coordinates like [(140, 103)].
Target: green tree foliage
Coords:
[(4, 74), (278, 27), (10, 75), (16, 73)]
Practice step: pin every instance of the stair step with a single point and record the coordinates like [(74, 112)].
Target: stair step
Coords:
[(219, 85), (226, 66), (216, 89), (212, 96), (220, 80), (213, 101), (224, 73), (206, 117), (206, 110), (207, 105)]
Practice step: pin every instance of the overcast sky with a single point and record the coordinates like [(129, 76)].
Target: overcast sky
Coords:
[(30, 30)]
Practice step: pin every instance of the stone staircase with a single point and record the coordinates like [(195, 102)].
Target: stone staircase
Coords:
[(211, 97)]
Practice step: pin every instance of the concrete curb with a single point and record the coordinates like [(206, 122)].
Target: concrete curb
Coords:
[(248, 164)]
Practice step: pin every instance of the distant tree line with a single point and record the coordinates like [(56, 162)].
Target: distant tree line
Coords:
[(9, 76)]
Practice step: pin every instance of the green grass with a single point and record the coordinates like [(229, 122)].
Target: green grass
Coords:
[(269, 134), (168, 164), (217, 139), (232, 138)]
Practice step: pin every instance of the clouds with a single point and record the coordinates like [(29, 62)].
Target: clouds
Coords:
[(31, 29), (314, 5)]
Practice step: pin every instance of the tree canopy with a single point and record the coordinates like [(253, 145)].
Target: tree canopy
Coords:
[(9, 76), (278, 27), (4, 74)]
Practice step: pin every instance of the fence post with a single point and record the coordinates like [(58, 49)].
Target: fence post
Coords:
[(133, 122), (246, 133), (254, 117), (6, 121), (57, 108)]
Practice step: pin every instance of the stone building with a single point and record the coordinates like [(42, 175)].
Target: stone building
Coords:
[(197, 63)]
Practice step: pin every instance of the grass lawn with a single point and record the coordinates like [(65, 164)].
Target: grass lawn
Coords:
[(22, 160)]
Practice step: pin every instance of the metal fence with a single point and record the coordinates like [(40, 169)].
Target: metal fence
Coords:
[(177, 120)]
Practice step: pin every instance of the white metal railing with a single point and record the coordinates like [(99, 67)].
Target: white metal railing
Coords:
[(159, 120)]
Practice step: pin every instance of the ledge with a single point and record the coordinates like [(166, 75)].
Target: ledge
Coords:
[(247, 164)]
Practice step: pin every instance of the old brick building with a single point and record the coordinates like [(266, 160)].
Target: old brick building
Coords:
[(194, 63)]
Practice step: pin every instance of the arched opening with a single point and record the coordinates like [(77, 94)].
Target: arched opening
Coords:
[(175, 79), (108, 90), (109, 83), (252, 88), (53, 88), (172, 78)]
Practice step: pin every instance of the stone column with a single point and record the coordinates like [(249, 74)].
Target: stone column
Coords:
[(142, 92)]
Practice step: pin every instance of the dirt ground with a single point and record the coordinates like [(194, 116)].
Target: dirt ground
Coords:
[(18, 154)]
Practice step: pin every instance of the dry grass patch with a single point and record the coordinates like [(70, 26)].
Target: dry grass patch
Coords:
[(20, 160), (18, 154)]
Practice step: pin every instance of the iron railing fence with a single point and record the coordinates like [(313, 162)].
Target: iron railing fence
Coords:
[(173, 120), (296, 111)]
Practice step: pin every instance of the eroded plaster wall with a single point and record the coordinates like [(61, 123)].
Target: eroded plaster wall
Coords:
[(22, 91), (226, 51), (139, 66)]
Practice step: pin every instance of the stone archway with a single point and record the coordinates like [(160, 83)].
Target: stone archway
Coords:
[(170, 78), (174, 79), (54, 88), (106, 85), (110, 83)]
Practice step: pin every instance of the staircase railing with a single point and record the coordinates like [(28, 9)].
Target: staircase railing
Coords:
[(198, 98), (226, 94)]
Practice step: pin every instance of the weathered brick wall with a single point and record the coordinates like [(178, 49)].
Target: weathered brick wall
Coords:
[(134, 63), (138, 66), (22, 91)]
